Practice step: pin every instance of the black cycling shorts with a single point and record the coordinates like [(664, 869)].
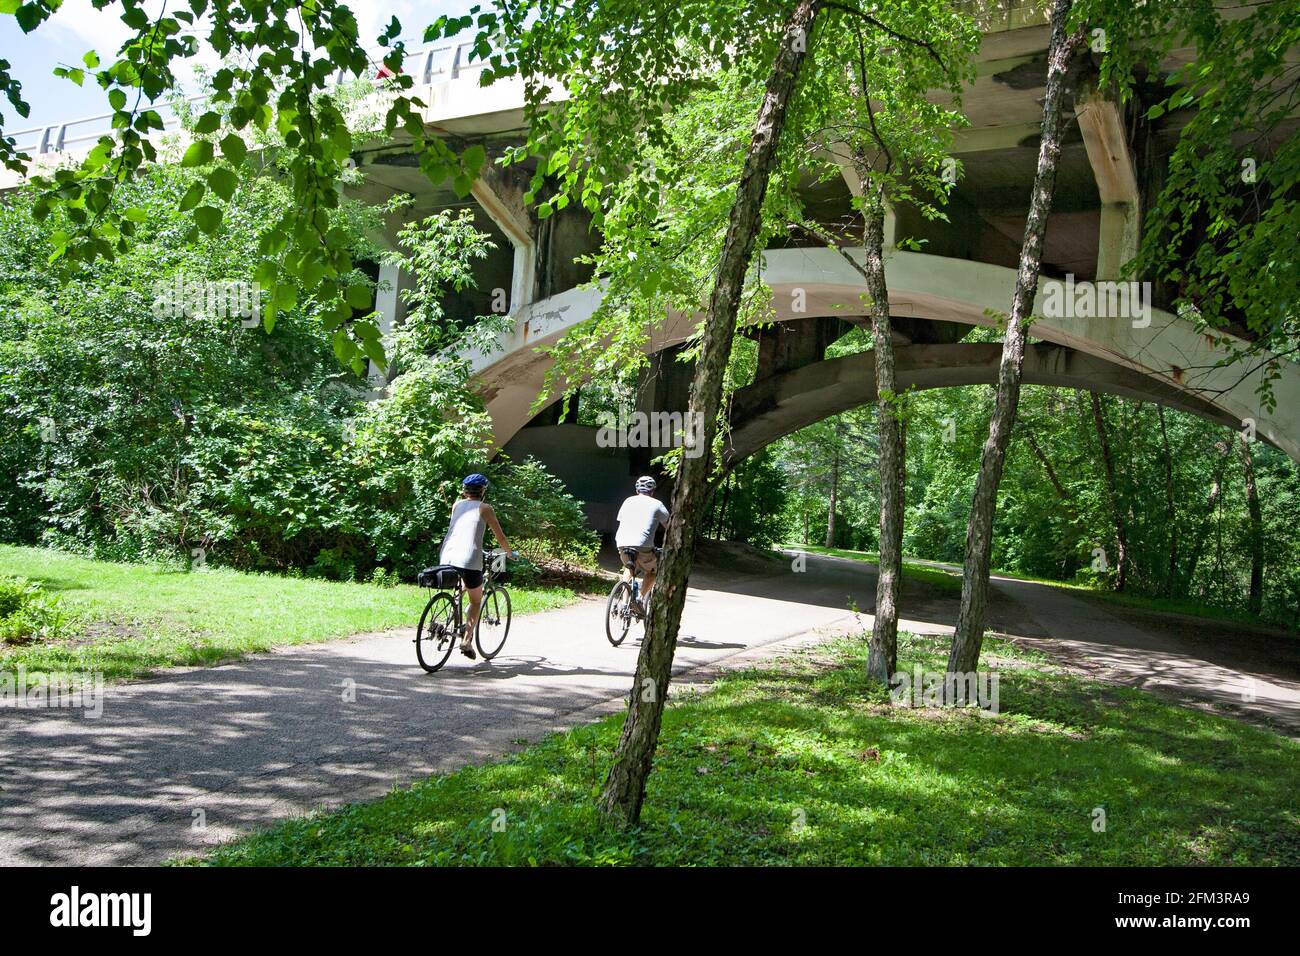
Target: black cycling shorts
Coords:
[(471, 578)]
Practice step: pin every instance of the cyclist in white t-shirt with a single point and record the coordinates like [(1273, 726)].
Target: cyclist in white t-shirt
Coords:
[(463, 548), (638, 521)]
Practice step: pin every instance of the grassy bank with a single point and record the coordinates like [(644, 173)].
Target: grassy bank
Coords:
[(950, 581), (800, 762), (129, 619), (947, 582)]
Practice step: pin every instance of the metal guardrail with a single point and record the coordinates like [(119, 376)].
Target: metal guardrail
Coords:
[(434, 64)]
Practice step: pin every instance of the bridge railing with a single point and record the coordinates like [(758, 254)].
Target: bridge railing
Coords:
[(428, 65)]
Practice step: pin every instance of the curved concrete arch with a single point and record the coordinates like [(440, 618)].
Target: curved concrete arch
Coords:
[(807, 283), (778, 406)]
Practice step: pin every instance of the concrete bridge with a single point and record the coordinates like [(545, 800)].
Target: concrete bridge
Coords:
[(1112, 162)]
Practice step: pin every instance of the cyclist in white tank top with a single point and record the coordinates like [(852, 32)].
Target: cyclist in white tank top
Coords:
[(463, 548)]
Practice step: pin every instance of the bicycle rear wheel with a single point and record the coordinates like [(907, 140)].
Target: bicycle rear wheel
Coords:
[(436, 634), (493, 622), (618, 613)]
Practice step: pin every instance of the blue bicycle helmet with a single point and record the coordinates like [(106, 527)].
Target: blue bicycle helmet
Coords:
[(475, 481)]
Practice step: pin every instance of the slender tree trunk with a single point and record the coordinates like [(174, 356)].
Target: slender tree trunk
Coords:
[(624, 788), (1047, 466), (1256, 527), (882, 654), (969, 634), (1117, 513), (835, 491), (1203, 530), (1171, 513)]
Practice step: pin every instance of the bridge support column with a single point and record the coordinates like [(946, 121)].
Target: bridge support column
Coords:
[(387, 306), (849, 170), (1101, 122), (505, 207), (665, 386)]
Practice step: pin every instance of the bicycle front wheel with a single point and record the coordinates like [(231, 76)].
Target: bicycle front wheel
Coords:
[(493, 622), (618, 613), (436, 635)]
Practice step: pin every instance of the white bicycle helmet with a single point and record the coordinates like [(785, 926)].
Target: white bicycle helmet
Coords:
[(645, 484)]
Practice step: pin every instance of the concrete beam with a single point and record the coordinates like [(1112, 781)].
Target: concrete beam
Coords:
[(511, 217), (1102, 124), (778, 406)]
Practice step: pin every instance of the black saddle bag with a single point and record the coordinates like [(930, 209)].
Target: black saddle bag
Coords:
[(442, 576)]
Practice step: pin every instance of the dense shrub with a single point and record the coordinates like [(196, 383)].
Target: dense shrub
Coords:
[(129, 432), (27, 613)]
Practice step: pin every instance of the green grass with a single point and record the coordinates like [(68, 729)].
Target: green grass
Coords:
[(950, 582), (129, 619), (947, 582), (800, 762)]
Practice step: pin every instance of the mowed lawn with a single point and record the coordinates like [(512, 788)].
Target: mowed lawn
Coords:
[(801, 762), (130, 619)]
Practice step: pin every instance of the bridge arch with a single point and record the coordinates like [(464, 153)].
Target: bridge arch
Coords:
[(1157, 356)]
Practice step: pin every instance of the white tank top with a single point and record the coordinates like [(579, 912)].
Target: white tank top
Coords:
[(463, 546)]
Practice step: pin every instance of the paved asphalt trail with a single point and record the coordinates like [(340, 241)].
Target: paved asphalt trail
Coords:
[(1095, 640), (241, 745)]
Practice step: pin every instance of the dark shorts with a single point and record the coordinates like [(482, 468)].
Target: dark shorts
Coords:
[(472, 579)]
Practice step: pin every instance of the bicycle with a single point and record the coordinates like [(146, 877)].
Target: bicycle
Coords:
[(442, 622), (620, 609)]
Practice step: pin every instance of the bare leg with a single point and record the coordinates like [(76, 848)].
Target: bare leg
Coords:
[(647, 583), (475, 605)]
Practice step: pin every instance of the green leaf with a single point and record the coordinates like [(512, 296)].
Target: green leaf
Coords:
[(233, 148), (192, 196), (209, 122), (29, 16), (472, 159), (208, 218), (199, 154), (117, 98), (136, 214), (223, 181), (358, 296)]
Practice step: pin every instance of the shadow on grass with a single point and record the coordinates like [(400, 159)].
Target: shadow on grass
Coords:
[(805, 764)]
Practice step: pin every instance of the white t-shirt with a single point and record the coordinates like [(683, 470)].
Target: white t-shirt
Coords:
[(638, 520)]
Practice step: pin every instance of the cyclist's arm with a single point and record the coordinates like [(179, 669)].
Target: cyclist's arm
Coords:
[(490, 516)]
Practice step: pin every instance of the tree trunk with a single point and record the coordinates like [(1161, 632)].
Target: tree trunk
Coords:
[(882, 654), (1256, 527), (1047, 467), (969, 633), (624, 788), (1171, 513), (1198, 541), (835, 489), (1117, 513)]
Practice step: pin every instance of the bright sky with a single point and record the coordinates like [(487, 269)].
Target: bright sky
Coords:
[(78, 27)]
